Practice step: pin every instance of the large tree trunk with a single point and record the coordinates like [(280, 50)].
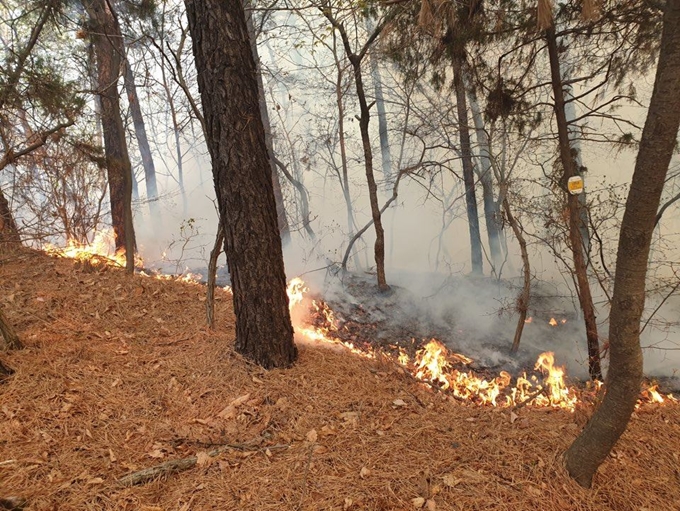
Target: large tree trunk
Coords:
[(142, 142), (468, 172), (569, 170), (9, 340), (284, 227), (625, 367), (9, 234), (108, 45), (227, 80)]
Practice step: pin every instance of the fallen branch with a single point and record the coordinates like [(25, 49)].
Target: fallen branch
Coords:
[(173, 466)]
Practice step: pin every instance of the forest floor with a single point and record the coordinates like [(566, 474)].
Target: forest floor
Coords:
[(120, 374)]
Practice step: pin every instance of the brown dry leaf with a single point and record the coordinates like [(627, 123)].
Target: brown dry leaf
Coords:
[(418, 502), (450, 480), (240, 400), (431, 505), (156, 453), (228, 413), (318, 449), (95, 480), (513, 417), (112, 456), (347, 504), (203, 459), (151, 508), (399, 402), (312, 436), (364, 472)]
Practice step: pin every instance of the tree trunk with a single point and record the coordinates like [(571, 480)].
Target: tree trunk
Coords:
[(575, 216), (108, 45), (356, 60), (625, 367), (523, 298), (492, 213), (227, 80), (9, 340), (385, 153), (142, 142), (9, 233), (284, 227), (468, 172)]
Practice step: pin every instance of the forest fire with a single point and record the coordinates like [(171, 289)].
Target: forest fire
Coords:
[(438, 367), (101, 250)]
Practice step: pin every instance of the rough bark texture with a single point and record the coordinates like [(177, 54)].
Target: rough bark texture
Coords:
[(625, 368), (108, 45), (575, 215), (9, 234), (9, 340), (468, 172), (284, 227), (227, 80), (142, 142)]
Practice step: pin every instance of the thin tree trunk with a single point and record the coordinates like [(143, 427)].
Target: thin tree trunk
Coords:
[(9, 340), (468, 172), (344, 178), (304, 198), (385, 152), (658, 141), (108, 44), (575, 216), (523, 298), (284, 227), (227, 80), (364, 119), (492, 214), (9, 233), (142, 142), (212, 275)]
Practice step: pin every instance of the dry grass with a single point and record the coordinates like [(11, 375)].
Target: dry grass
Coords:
[(120, 374)]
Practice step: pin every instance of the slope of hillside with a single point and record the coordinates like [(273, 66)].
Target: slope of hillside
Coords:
[(120, 374)]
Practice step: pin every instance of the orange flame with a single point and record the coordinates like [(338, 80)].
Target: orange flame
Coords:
[(552, 322), (435, 365), (101, 251)]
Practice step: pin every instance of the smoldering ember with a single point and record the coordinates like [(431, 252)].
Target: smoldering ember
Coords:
[(390, 255)]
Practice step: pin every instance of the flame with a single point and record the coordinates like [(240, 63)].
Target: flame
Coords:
[(552, 322), (101, 250), (530, 319), (438, 367)]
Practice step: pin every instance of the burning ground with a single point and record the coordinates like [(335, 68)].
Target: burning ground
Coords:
[(120, 374)]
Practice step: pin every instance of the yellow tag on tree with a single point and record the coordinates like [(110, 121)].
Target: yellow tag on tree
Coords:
[(575, 185)]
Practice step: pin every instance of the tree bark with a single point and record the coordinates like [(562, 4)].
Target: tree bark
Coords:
[(385, 152), (625, 367), (9, 340), (468, 172), (108, 46), (227, 80), (356, 60), (284, 227), (569, 169), (9, 233), (492, 213), (142, 142)]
